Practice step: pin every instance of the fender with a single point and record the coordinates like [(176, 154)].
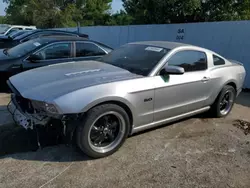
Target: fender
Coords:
[(110, 99), (227, 83)]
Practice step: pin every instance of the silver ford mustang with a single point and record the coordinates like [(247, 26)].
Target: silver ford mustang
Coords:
[(136, 87)]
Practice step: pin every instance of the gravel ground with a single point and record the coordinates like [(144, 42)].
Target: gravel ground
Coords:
[(197, 152)]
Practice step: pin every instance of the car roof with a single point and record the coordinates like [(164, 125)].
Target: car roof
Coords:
[(162, 44), (57, 31), (24, 26), (58, 38), (172, 45), (54, 38), (61, 31)]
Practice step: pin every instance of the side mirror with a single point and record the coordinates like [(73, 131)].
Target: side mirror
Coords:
[(172, 70), (34, 58)]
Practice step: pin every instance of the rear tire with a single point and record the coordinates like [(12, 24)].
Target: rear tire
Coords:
[(103, 130), (224, 102)]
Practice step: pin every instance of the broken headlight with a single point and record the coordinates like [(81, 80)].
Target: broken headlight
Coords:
[(44, 107), (50, 108)]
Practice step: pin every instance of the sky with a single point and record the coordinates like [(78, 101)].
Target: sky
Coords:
[(116, 6), (2, 7)]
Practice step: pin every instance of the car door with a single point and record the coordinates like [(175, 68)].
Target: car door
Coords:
[(85, 50), (55, 53), (179, 94)]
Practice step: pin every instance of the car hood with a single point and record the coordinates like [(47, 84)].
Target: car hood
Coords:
[(50, 82)]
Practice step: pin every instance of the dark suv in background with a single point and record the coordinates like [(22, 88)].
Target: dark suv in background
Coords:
[(48, 50)]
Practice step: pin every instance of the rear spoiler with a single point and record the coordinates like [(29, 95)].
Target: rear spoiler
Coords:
[(236, 62), (83, 35)]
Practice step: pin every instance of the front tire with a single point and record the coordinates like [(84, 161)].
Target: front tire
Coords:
[(224, 102), (103, 130)]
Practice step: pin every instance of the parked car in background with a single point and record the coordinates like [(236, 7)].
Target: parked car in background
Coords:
[(12, 35), (136, 87), (48, 50), (11, 42), (6, 29)]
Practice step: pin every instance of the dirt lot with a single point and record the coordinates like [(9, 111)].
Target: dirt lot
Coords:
[(198, 152)]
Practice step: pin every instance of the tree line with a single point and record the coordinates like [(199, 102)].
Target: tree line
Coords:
[(67, 13)]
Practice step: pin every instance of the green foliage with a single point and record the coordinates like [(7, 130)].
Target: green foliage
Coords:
[(120, 18), (66, 13), (58, 13), (70, 16), (16, 12), (96, 12), (182, 11), (3, 20)]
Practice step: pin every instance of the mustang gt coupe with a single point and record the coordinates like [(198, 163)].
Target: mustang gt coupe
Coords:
[(141, 85)]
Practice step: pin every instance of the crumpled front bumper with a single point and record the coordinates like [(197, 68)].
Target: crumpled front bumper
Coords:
[(24, 119)]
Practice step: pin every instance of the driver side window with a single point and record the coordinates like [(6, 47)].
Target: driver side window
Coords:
[(55, 51), (190, 60)]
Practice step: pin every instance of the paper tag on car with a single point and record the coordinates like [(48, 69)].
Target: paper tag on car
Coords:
[(36, 43), (155, 49)]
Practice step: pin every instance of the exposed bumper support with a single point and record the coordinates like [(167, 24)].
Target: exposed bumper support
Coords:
[(24, 119)]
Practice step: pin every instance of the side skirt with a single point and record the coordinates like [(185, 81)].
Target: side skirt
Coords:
[(169, 120)]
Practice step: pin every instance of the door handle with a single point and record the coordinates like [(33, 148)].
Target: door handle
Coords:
[(205, 79)]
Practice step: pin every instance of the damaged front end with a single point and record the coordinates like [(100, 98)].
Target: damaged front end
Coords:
[(43, 118), (24, 113), (33, 115)]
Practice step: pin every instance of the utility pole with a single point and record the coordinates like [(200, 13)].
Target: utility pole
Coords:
[(78, 27)]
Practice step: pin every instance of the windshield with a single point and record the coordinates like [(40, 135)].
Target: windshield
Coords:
[(24, 35), (136, 58), (16, 33), (3, 28), (12, 32), (24, 48)]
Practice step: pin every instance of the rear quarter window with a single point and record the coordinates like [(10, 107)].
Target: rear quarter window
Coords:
[(218, 61)]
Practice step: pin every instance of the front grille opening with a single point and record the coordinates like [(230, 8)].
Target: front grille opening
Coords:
[(24, 104)]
